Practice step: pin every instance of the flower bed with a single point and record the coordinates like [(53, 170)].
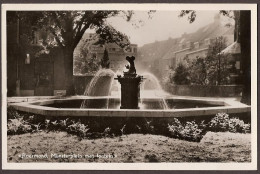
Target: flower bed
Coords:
[(190, 130)]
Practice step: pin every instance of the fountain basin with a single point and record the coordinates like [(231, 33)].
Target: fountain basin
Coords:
[(69, 107)]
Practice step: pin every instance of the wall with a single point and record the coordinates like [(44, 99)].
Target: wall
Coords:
[(58, 70), (80, 83), (28, 74), (205, 91), (180, 55), (12, 57), (101, 87), (199, 53), (165, 65)]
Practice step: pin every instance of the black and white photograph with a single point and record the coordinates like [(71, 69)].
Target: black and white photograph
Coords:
[(129, 86)]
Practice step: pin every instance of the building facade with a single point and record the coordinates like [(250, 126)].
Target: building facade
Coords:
[(189, 46), (33, 74), (29, 74), (116, 54)]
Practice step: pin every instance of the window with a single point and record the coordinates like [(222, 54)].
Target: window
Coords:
[(35, 37), (181, 46), (237, 65), (188, 44), (112, 49), (196, 45), (128, 49), (207, 41)]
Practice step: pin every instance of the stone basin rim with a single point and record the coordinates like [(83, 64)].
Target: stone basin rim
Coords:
[(36, 107)]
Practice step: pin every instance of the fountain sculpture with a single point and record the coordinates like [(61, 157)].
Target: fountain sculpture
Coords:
[(130, 86)]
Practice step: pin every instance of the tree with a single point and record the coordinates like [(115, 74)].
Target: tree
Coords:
[(67, 29), (89, 65), (105, 60), (85, 61), (198, 71), (243, 18), (181, 75), (245, 41), (92, 64), (217, 64), (212, 69)]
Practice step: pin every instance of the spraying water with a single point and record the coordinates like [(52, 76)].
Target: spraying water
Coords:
[(151, 87), (103, 84), (100, 85)]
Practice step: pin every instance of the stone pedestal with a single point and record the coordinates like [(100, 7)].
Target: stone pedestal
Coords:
[(130, 91)]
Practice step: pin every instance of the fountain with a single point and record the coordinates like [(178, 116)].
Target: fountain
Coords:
[(141, 96), (126, 89)]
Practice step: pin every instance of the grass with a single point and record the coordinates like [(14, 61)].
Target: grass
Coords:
[(214, 147)]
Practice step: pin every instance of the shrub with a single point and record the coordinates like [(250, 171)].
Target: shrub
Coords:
[(12, 113), (36, 127), (148, 127), (222, 123), (175, 128), (191, 131), (79, 129), (51, 125), (219, 123), (63, 124), (122, 130), (237, 125), (18, 126)]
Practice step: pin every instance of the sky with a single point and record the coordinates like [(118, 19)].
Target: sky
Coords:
[(161, 26)]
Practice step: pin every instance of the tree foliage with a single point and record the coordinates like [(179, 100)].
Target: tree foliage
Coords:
[(210, 70), (198, 71), (181, 75), (243, 22), (191, 14), (105, 60), (214, 68), (88, 65), (85, 61), (92, 64), (67, 28), (218, 64)]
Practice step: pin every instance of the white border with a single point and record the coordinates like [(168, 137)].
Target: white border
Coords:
[(134, 166)]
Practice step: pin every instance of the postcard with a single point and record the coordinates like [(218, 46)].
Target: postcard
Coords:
[(129, 86)]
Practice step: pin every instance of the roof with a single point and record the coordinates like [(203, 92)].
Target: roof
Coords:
[(197, 51), (166, 49), (234, 48), (157, 49)]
